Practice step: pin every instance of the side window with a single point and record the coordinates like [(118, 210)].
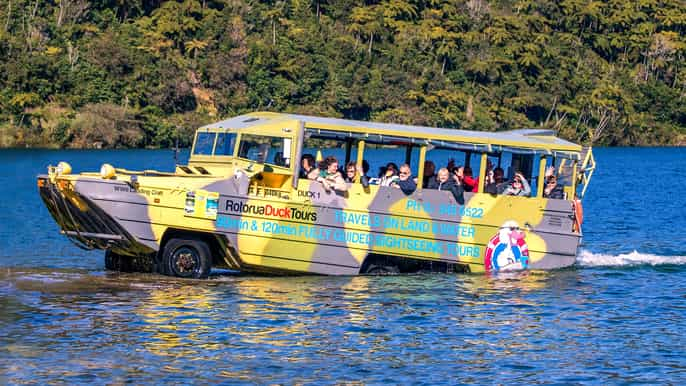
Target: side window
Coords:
[(204, 143), (225, 144), (328, 147), (443, 158), (263, 149), (379, 156)]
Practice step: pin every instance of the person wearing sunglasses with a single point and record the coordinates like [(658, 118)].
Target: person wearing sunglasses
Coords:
[(518, 187), (405, 181), (389, 175), (353, 170)]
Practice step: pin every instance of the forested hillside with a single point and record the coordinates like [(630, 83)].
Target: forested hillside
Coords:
[(132, 73)]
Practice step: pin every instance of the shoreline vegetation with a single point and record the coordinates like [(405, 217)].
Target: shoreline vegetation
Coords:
[(144, 74)]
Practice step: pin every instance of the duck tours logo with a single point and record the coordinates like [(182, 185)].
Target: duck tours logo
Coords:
[(507, 250)]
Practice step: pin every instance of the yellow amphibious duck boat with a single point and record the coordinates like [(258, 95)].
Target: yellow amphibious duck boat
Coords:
[(243, 203)]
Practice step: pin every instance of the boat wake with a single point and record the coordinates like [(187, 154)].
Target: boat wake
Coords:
[(589, 259)]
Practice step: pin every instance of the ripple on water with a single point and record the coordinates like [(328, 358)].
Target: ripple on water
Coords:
[(617, 317)]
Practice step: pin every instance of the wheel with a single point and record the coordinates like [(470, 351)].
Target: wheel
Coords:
[(122, 263), (186, 258), (382, 270), (117, 262)]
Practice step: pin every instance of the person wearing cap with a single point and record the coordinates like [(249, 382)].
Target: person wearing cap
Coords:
[(518, 187)]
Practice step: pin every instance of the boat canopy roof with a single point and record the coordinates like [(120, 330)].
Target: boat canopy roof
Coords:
[(519, 141)]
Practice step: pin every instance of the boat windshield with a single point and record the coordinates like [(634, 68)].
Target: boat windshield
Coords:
[(225, 144), (265, 149), (204, 143)]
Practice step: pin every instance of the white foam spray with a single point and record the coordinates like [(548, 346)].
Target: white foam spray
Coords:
[(589, 259)]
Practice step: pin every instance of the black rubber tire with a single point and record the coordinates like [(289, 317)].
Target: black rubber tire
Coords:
[(187, 258), (122, 263), (382, 270), (116, 262)]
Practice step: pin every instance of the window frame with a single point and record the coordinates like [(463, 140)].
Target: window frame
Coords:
[(233, 149), (239, 142), (195, 143)]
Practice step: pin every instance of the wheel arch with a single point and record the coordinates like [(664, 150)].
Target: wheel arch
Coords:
[(404, 264), (216, 242)]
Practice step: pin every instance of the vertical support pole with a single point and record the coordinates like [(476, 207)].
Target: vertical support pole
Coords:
[(195, 140), (297, 154), (420, 168), (482, 172), (360, 157), (214, 143), (574, 181), (541, 176), (348, 150)]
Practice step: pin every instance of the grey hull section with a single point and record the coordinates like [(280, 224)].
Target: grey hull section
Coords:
[(87, 223)]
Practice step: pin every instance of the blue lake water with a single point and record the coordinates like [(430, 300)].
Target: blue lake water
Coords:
[(618, 316)]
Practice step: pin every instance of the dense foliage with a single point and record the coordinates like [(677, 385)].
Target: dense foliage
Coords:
[(145, 72)]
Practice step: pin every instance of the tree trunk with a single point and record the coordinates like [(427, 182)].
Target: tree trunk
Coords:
[(273, 32), (443, 66), (9, 13), (60, 15), (371, 39)]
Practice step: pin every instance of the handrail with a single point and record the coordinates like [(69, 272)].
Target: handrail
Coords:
[(585, 173)]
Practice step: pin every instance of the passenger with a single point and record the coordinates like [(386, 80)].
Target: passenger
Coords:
[(364, 178), (458, 174), (352, 171), (518, 187), (471, 184), (495, 182), (429, 178), (552, 189), (329, 175), (306, 165), (377, 180), (390, 175), (405, 181), (445, 182)]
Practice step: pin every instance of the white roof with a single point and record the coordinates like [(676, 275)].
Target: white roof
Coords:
[(525, 136)]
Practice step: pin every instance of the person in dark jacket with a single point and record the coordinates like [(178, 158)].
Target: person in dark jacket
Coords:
[(353, 171), (429, 178), (306, 165), (495, 182), (445, 182), (405, 181), (552, 189)]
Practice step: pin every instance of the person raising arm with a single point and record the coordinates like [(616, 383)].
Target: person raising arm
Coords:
[(518, 187), (330, 177)]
